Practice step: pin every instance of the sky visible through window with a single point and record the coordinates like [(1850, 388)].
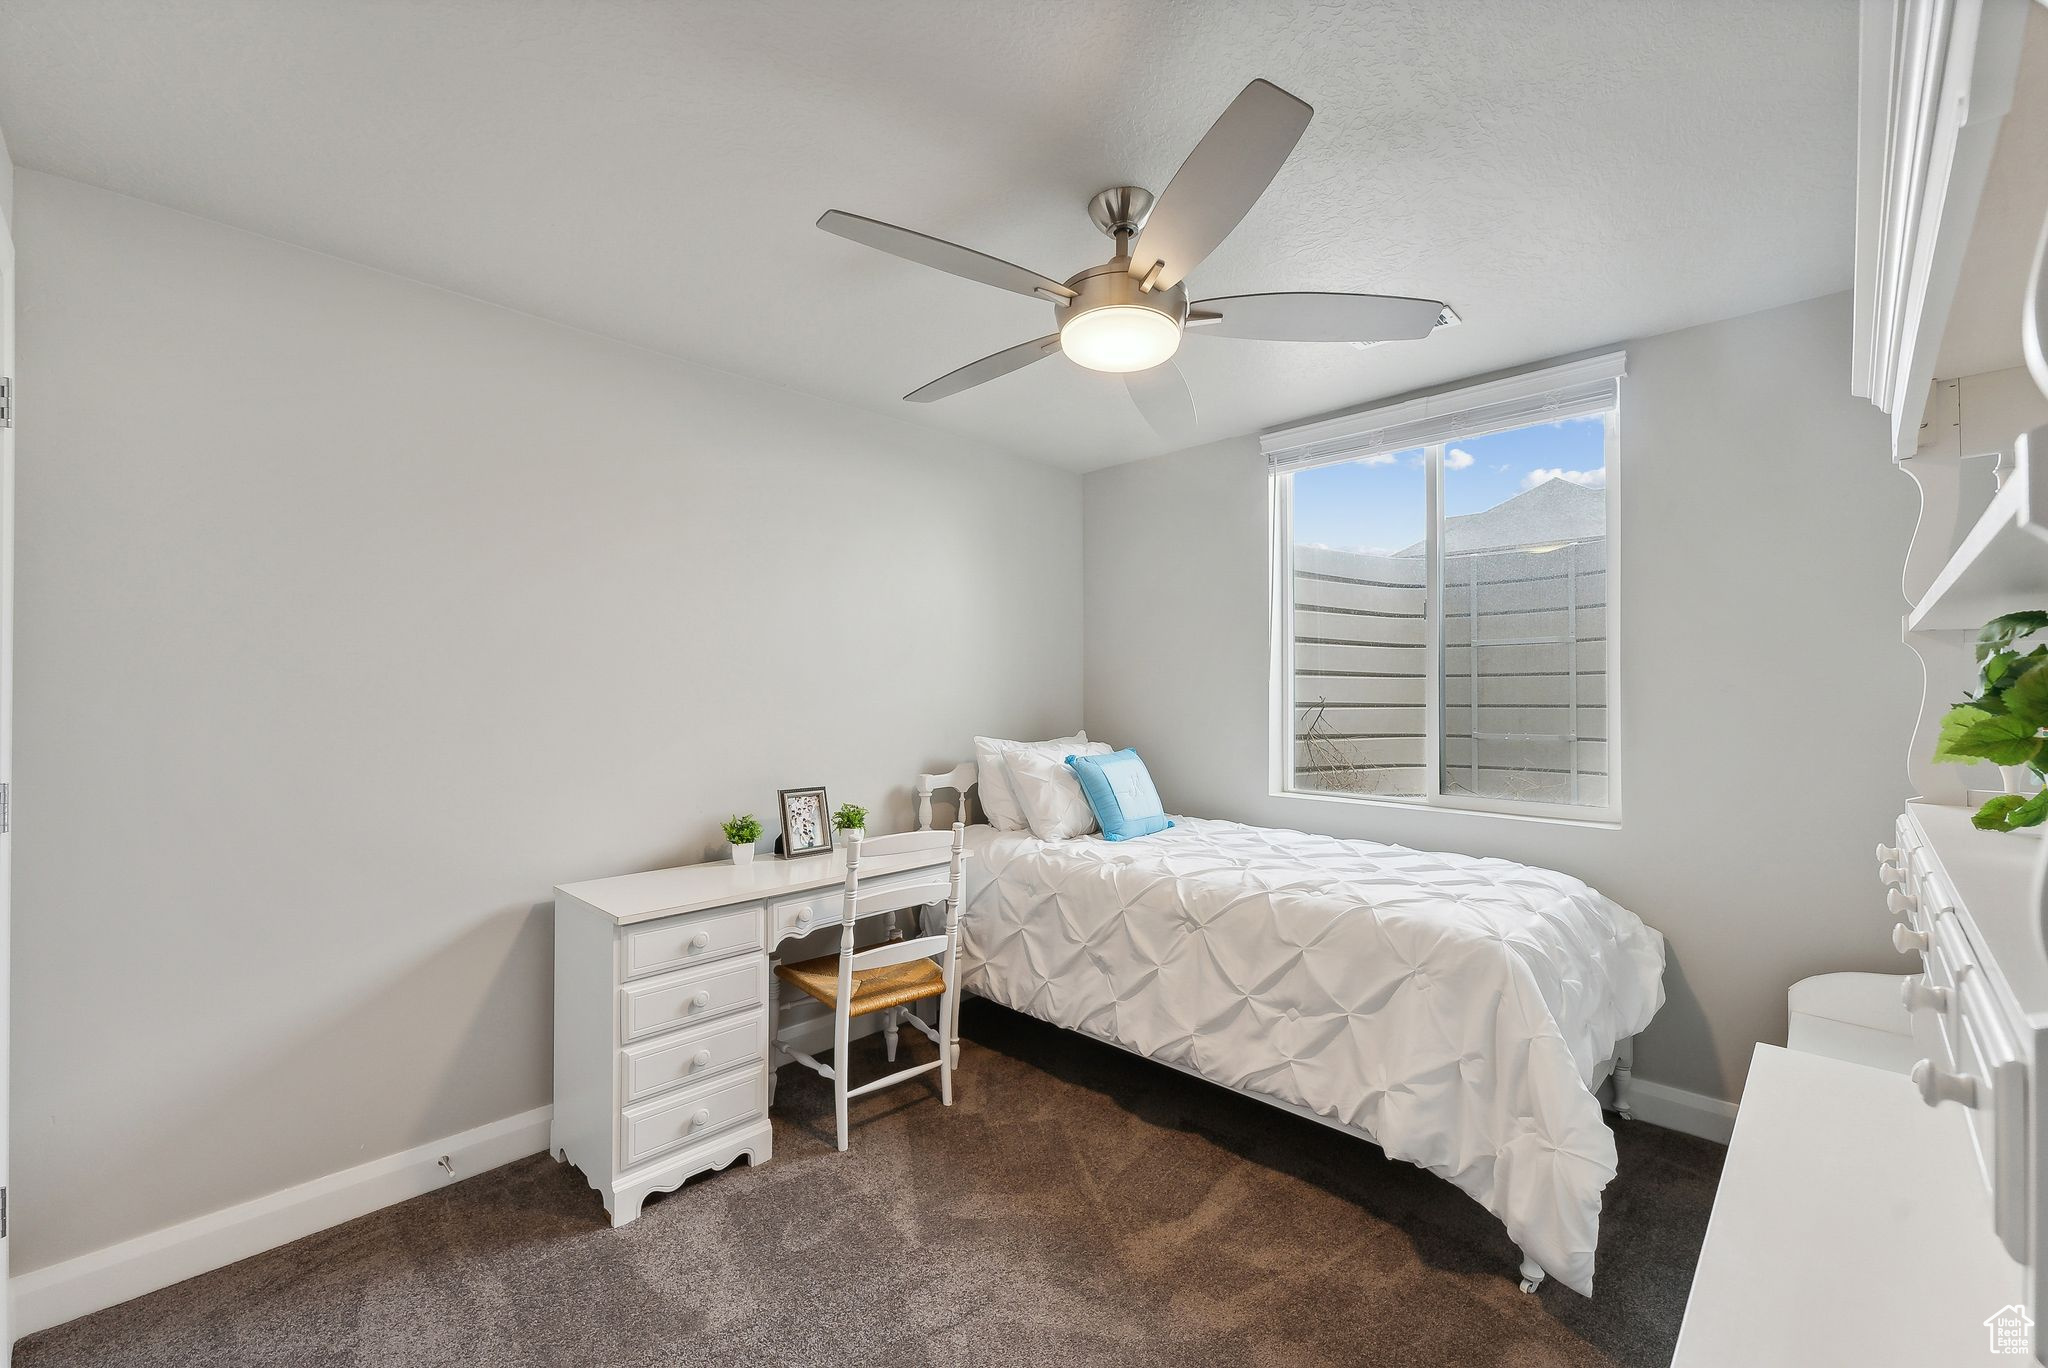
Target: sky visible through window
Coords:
[(1377, 504)]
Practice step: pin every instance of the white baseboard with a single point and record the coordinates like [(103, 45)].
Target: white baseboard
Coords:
[(1660, 1104), (63, 1291)]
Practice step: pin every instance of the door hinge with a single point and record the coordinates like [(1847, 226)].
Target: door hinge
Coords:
[(3, 1213), (6, 401), (6, 825)]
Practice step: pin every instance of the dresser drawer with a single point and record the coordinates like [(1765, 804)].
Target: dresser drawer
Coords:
[(682, 999), (1934, 1025), (1986, 1051), (669, 1061), (671, 944), (654, 1128)]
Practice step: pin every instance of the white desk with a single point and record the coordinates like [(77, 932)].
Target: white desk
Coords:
[(664, 1009), (1850, 1228)]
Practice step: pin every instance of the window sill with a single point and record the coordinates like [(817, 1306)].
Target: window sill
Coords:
[(1602, 819)]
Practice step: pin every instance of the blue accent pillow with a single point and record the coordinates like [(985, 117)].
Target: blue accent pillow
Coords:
[(1119, 788)]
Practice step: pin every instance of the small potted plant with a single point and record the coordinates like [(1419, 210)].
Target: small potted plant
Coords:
[(2006, 722), (742, 832), (850, 821)]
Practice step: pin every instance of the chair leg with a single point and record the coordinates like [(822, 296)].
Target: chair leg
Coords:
[(952, 1029), (891, 1032), (839, 1099), (945, 1055), (841, 1065)]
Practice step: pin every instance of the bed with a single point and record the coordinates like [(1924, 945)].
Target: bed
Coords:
[(1458, 1012)]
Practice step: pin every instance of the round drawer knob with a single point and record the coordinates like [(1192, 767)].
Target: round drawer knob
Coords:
[(700, 1001), (1907, 941), (700, 1119), (700, 1059), (1917, 993), (1900, 901), (700, 940), (1890, 874), (803, 918), (1939, 1085)]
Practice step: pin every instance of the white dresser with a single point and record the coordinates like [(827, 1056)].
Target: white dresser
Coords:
[(664, 1009), (1970, 913), (1846, 1183)]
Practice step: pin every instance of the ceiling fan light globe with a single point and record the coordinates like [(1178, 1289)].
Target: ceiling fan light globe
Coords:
[(1120, 338)]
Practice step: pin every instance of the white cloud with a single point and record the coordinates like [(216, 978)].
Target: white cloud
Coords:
[(1377, 458), (1457, 458), (1590, 479)]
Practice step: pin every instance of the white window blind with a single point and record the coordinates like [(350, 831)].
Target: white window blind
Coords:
[(1552, 394)]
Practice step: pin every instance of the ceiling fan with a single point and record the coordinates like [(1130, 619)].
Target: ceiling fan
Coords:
[(1128, 315)]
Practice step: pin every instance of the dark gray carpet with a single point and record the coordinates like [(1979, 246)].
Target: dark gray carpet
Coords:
[(1076, 1206)]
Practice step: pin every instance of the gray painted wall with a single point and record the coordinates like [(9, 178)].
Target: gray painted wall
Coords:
[(1765, 696), (354, 615)]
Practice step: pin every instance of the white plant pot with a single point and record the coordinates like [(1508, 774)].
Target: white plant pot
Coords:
[(743, 854), (851, 834)]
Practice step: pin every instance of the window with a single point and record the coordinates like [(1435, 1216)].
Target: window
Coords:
[(1444, 626)]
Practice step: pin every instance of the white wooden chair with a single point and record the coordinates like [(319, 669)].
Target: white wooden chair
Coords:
[(887, 978)]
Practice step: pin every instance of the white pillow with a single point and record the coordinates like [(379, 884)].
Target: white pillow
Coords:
[(1050, 794), (992, 780)]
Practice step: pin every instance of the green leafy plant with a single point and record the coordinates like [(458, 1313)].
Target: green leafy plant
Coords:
[(2007, 722), (850, 817), (742, 830)]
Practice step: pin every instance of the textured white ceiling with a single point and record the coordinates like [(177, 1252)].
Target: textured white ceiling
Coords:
[(1564, 173)]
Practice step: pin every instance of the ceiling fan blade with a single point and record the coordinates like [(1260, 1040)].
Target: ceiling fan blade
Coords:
[(988, 368), (1219, 182), (941, 255), (1314, 317), (1161, 394)]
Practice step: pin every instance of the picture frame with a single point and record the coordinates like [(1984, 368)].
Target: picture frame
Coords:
[(806, 822)]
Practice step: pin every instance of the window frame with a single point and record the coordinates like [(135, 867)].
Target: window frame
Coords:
[(1368, 429)]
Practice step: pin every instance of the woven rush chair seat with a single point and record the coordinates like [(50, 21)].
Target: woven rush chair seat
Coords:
[(874, 990)]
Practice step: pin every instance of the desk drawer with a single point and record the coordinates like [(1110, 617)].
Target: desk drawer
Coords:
[(801, 916), (675, 1000), (669, 1061), (678, 941), (667, 1123)]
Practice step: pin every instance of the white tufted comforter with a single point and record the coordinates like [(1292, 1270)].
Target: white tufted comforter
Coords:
[(1455, 1010)]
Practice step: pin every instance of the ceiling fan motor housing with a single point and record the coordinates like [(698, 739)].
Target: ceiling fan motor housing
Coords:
[(1120, 340), (1112, 285)]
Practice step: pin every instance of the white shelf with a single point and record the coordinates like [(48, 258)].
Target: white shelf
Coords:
[(2002, 565)]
